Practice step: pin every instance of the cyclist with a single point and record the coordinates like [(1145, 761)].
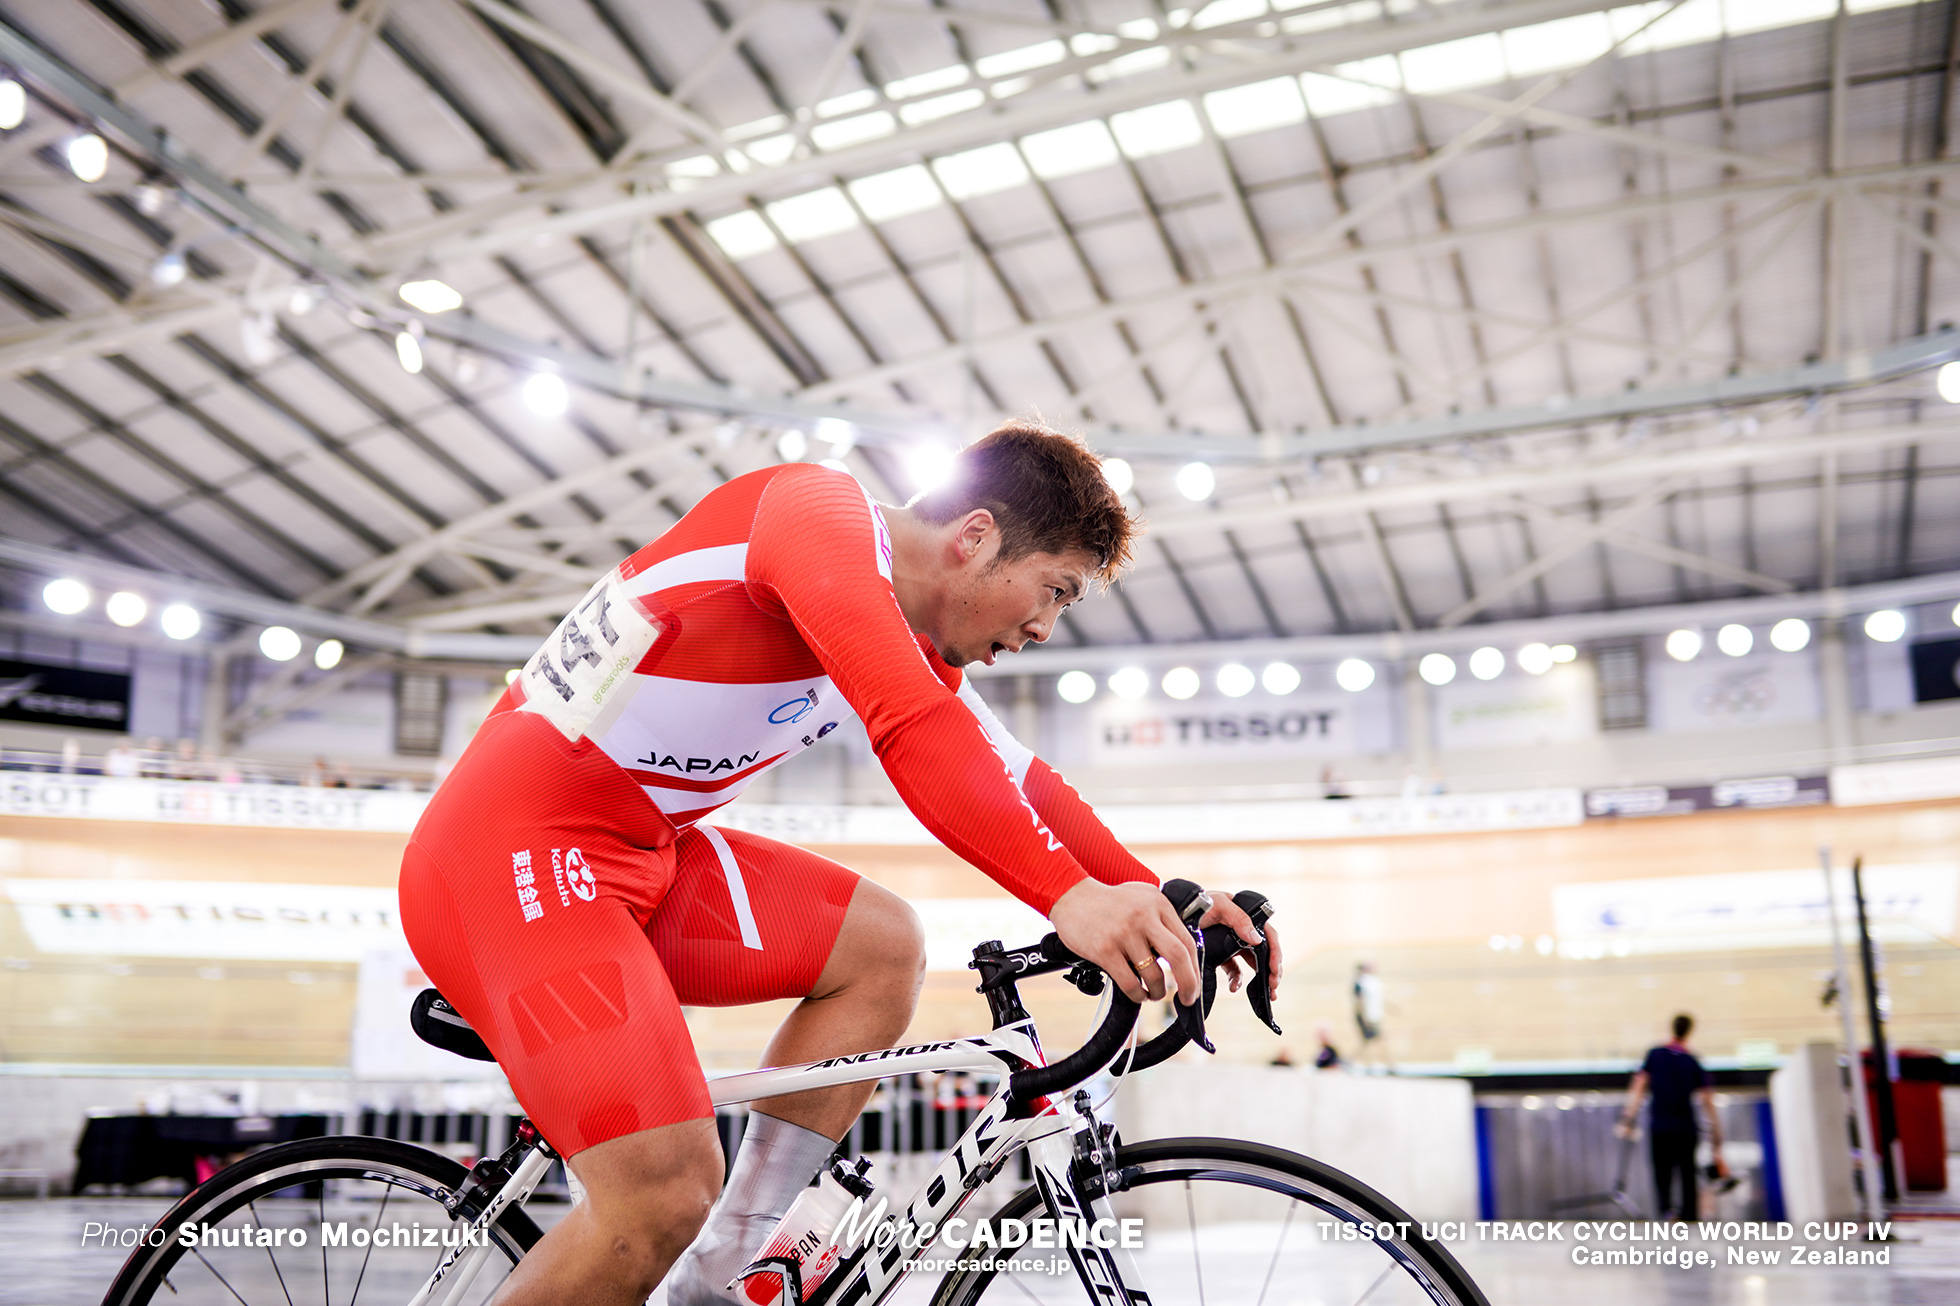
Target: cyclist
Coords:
[(563, 894)]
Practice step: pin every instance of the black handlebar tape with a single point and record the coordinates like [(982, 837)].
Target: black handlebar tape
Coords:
[(1103, 1045)]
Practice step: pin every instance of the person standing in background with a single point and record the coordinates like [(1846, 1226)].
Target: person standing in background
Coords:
[(1673, 1078), (1369, 1009)]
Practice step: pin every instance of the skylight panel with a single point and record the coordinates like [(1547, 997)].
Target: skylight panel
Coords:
[(1328, 96), (850, 131), (1761, 15), (1453, 65), (685, 174), (1128, 65), (771, 150), (1088, 43), (742, 235), (1691, 24), (1243, 110), (1562, 43), (1138, 29), (1157, 128), (853, 102), (1221, 12), (895, 194), (981, 172), (813, 214), (939, 79), (1065, 151), (1019, 61), (760, 127), (940, 106)]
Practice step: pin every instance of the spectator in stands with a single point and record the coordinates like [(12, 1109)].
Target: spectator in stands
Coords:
[(1281, 1058), (1331, 784), (1674, 1079), (1370, 1007), (153, 763), (121, 761), (1327, 1057), (71, 756)]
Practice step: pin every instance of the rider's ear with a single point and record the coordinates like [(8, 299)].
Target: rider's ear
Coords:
[(974, 529)]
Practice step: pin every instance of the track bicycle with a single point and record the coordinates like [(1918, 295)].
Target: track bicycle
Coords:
[(320, 1220)]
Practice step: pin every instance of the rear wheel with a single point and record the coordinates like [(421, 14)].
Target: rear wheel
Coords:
[(1228, 1221), (334, 1221)]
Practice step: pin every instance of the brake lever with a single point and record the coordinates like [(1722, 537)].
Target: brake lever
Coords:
[(1258, 990), (1191, 903)]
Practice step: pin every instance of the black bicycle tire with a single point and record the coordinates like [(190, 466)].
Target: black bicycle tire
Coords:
[(287, 1165), (1159, 1157)]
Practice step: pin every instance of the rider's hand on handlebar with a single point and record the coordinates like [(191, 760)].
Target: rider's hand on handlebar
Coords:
[(1122, 927), (1225, 911)]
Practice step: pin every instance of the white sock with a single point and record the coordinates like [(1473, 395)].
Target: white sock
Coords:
[(775, 1162)]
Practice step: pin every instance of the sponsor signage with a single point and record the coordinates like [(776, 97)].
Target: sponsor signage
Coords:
[(205, 918), (64, 696), (196, 802), (1517, 711), (1935, 670), (1716, 693), (1750, 909), (384, 1046), (1664, 800), (1221, 729), (1916, 781)]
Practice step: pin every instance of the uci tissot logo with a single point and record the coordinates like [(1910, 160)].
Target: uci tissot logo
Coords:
[(794, 710)]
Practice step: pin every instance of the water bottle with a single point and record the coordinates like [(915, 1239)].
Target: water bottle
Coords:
[(805, 1237)]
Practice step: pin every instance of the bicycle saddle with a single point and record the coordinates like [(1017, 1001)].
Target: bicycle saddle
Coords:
[(440, 1025)]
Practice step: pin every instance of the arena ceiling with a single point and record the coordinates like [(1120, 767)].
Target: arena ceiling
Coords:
[(1477, 310)]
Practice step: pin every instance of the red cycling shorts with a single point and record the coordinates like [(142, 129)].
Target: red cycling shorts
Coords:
[(556, 908)]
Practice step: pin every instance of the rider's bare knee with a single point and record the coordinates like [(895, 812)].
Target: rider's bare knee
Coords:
[(650, 1193)]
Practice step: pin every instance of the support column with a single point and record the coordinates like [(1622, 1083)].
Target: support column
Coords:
[(1417, 723), (1833, 669), (217, 702)]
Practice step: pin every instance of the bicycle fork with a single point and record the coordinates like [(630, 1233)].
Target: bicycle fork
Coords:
[(461, 1264), (1074, 1171)]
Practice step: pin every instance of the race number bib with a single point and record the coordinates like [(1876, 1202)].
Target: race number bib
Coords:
[(584, 671)]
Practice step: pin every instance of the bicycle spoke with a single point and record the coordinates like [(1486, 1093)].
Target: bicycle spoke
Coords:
[(1197, 1266), (326, 1285), (386, 1193), (253, 1207), (219, 1277), (1379, 1281), (1272, 1265)]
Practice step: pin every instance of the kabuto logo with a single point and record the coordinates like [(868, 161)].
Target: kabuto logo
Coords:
[(578, 875), (795, 710)]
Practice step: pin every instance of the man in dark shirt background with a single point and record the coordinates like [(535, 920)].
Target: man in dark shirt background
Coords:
[(1674, 1079)]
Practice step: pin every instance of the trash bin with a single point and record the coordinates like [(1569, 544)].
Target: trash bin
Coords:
[(1916, 1104)]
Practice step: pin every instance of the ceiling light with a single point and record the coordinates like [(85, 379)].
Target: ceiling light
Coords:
[(1956, 614), (1129, 682), (1487, 663), (88, 156), (257, 339), (302, 301), (1564, 653), (1235, 680), (792, 444), (510, 677), (1734, 640), (328, 655), (929, 466), (1119, 474), (180, 621), (1437, 668), (13, 104), (1280, 678), (65, 596), (409, 350), (1195, 481), (1181, 682), (1948, 381), (1790, 634), (1076, 687), (1684, 645), (151, 196), (125, 608), (836, 465), (168, 271), (836, 431), (1354, 674), (1887, 625), (1535, 659), (430, 296), (280, 643), (545, 394)]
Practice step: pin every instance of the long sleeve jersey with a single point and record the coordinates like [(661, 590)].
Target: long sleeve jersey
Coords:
[(755, 626)]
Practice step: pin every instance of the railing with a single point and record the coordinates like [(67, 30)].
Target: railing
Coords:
[(181, 763)]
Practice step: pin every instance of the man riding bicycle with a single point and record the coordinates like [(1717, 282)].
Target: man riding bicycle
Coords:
[(563, 895)]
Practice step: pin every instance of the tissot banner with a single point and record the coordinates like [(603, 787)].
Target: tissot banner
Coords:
[(1221, 729), (1715, 692), (64, 696)]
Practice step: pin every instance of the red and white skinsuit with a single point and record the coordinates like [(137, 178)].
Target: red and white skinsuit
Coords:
[(567, 838)]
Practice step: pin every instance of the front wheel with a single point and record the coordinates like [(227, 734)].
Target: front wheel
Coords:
[(1229, 1221), (340, 1220)]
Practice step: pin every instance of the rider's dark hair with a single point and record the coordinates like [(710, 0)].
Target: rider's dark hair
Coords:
[(1046, 491), (1682, 1024)]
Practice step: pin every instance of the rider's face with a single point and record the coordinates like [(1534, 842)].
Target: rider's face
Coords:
[(997, 607)]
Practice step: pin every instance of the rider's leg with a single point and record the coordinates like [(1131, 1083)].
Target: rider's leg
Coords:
[(863, 1000), (646, 1195)]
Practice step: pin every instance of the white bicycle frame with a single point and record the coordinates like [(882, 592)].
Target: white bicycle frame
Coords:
[(871, 1272)]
